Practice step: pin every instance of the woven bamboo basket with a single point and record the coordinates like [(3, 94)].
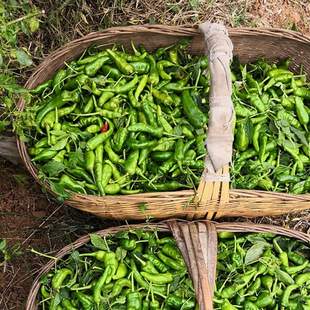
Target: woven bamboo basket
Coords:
[(216, 199), (197, 243)]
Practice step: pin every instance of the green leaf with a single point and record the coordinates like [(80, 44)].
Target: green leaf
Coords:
[(98, 242), (257, 239), (300, 136), (3, 124), (59, 190), (151, 20), (56, 300), (138, 232), (53, 168), (285, 127), (122, 234), (1, 61), (57, 132), (22, 57), (15, 88), (254, 253), (61, 144), (34, 24), (177, 130), (3, 244), (120, 300), (194, 4), (243, 72), (120, 253), (24, 28), (248, 128), (282, 276), (142, 207)]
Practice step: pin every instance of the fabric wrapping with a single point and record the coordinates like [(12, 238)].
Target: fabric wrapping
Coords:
[(219, 138)]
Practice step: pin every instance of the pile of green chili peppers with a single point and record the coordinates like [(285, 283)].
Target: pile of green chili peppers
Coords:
[(272, 137), (120, 123), (115, 122), (262, 271), (133, 270)]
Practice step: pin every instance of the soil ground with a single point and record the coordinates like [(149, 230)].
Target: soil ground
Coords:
[(29, 220)]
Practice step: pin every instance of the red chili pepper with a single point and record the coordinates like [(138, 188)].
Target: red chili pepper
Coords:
[(105, 127)]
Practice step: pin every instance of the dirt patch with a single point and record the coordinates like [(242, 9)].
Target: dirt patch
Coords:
[(29, 220)]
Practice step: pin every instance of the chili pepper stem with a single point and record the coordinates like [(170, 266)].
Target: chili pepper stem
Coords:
[(44, 255)]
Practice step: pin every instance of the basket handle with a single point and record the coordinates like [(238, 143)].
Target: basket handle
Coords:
[(197, 242), (214, 185)]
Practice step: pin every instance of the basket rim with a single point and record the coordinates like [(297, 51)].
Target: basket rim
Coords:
[(162, 227), (182, 29)]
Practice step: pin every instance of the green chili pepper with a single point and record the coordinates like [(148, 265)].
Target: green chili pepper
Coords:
[(160, 278), (131, 162), (295, 258), (98, 168), (193, 113), (147, 267), (239, 297), (302, 278), (89, 106), (86, 301), (76, 82), (121, 63), (286, 178), (177, 302), (152, 130), (97, 140), (295, 269), (153, 78), (123, 89), (284, 298), (93, 67), (140, 67), (161, 156), (44, 154), (254, 287), (41, 87), (282, 114), (248, 305), (68, 305), (159, 264), (58, 81), (60, 276), (241, 139), (165, 145), (68, 183), (54, 103), (133, 301), (162, 96), (174, 264), (111, 72), (230, 291), (242, 111), (98, 255), (301, 112), (128, 244), (262, 147), (90, 59), (257, 103), (105, 96), (80, 173), (140, 145), (119, 285), (107, 172)]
